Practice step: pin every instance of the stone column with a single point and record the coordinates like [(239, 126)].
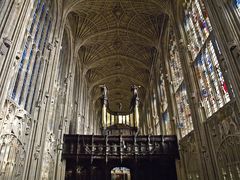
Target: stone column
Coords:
[(44, 112), (198, 116), (104, 106), (157, 84)]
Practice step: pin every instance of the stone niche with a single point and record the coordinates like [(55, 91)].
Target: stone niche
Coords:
[(224, 135), (189, 155)]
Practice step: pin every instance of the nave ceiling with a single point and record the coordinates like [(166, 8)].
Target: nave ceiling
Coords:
[(116, 42)]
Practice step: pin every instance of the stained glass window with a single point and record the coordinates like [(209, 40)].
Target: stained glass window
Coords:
[(174, 63), (27, 77), (237, 2), (36, 85), (205, 51), (213, 88), (184, 119), (197, 25), (33, 78), (19, 71)]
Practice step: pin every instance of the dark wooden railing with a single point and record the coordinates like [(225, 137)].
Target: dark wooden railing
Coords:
[(90, 157), (119, 147)]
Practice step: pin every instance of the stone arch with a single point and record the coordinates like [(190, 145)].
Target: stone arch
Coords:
[(12, 155), (228, 157)]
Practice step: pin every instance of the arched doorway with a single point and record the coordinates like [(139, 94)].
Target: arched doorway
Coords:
[(120, 173)]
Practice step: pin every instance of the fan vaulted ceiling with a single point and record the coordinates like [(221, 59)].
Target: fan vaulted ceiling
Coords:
[(116, 42)]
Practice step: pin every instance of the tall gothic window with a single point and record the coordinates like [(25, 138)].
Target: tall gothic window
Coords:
[(27, 79), (205, 52), (184, 119)]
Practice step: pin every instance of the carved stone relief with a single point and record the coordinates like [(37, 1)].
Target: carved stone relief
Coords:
[(49, 156), (15, 132), (5, 46), (228, 157), (223, 123), (224, 129), (188, 150)]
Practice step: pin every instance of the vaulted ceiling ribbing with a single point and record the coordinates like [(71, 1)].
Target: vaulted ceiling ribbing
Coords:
[(116, 41)]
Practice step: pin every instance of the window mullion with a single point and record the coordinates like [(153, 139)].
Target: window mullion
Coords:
[(26, 58), (32, 63), (27, 54), (213, 58), (33, 81), (206, 91), (206, 65), (31, 57), (209, 74)]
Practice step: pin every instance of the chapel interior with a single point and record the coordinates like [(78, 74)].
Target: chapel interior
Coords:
[(119, 89)]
